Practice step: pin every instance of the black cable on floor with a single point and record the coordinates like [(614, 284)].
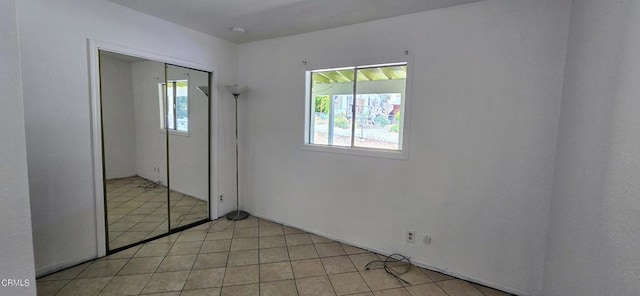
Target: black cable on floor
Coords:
[(393, 260), (150, 185)]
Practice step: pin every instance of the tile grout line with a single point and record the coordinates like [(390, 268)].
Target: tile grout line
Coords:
[(226, 264), (129, 259), (295, 284), (323, 268), (88, 265), (155, 271), (56, 293), (194, 261)]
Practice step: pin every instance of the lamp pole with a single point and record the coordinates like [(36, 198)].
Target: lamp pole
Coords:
[(237, 214)]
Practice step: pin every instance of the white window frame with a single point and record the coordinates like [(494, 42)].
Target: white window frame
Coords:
[(401, 154)]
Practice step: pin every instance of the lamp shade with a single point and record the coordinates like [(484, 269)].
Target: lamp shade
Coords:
[(235, 89), (204, 90)]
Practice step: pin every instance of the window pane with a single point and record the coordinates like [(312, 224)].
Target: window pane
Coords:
[(170, 102), (379, 107), (182, 106), (330, 115), (341, 120)]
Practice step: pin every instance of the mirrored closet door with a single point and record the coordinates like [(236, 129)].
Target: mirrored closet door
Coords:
[(155, 137), (188, 122)]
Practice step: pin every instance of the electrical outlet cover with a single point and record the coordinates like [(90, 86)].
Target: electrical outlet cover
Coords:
[(411, 236)]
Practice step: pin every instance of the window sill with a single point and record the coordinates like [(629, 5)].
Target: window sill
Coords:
[(176, 133), (364, 152)]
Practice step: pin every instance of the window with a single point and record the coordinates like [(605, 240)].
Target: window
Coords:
[(374, 120), (177, 116)]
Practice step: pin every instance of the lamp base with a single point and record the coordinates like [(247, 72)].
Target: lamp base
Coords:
[(237, 215)]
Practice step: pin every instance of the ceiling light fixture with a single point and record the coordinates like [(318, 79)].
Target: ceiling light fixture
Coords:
[(238, 30)]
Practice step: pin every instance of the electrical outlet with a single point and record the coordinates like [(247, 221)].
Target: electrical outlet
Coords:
[(426, 239), (411, 236), (221, 198)]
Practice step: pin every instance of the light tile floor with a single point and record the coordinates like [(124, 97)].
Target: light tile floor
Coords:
[(249, 257), (135, 213)]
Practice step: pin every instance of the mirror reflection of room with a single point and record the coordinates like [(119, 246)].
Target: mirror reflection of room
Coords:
[(187, 123), (140, 103)]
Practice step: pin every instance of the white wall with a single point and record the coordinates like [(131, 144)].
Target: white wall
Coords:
[(118, 121), (151, 142), (594, 230), (53, 40), (16, 260), (487, 86)]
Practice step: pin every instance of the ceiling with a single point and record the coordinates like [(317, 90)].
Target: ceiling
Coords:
[(265, 19)]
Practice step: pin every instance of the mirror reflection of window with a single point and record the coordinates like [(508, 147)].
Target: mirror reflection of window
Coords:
[(177, 104)]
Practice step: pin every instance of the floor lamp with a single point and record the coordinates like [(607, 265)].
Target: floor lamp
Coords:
[(237, 214)]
